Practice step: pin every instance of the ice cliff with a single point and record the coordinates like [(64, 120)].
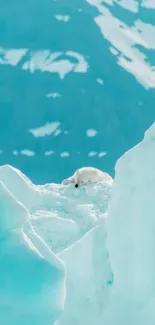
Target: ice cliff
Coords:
[(53, 261), (130, 229), (72, 256)]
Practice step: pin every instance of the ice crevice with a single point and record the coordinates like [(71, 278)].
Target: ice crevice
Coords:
[(75, 256)]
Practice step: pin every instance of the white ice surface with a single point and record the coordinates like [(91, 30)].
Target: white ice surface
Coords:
[(58, 232), (65, 259), (32, 277), (89, 278), (131, 237), (37, 222), (20, 186), (60, 214)]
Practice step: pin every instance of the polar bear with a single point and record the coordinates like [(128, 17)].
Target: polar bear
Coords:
[(88, 175)]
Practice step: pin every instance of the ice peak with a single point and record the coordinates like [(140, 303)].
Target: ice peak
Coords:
[(12, 213), (150, 133)]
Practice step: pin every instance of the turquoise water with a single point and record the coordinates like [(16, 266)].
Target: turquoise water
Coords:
[(77, 83)]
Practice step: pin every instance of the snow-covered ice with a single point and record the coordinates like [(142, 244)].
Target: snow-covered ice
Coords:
[(46, 233), (20, 186), (85, 255), (89, 278), (58, 232), (131, 236), (32, 277)]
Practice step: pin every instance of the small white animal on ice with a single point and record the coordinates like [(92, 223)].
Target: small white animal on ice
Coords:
[(87, 175)]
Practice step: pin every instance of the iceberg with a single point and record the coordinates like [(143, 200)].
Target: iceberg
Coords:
[(53, 260), (130, 242), (32, 277), (58, 232), (89, 277), (20, 186), (80, 255)]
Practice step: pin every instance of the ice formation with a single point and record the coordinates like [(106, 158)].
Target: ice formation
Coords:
[(88, 278), (80, 255), (130, 230), (53, 257), (32, 277)]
